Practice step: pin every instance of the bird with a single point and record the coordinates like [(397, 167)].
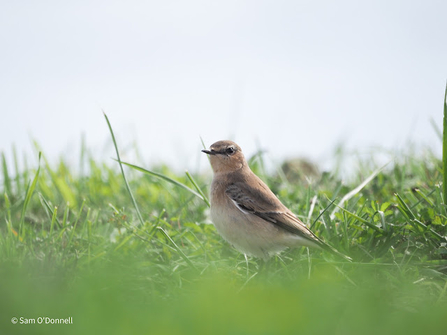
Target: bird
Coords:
[(247, 214)]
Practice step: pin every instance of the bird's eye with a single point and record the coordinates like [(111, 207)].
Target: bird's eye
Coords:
[(230, 150)]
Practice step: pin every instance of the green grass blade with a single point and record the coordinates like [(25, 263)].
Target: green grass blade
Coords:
[(162, 176), (180, 252), (404, 207), (73, 231), (423, 196), (203, 143), (49, 209), (17, 171), (406, 211), (322, 212), (198, 189), (6, 177), (444, 148), (8, 213), (426, 228), (436, 128), (122, 171), (369, 224), (59, 179), (29, 194), (53, 220), (66, 216)]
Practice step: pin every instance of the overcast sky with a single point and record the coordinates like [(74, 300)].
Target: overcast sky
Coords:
[(294, 77)]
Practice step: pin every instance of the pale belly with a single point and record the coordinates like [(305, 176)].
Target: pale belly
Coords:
[(250, 234)]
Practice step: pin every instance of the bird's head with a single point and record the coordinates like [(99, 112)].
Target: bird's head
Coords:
[(226, 156)]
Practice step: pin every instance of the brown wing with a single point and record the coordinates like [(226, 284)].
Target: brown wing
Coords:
[(269, 209)]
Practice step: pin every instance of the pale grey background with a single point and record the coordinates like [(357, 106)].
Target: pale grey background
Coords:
[(293, 77)]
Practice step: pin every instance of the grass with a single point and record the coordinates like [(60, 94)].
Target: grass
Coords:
[(136, 254)]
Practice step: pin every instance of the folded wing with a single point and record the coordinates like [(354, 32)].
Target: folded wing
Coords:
[(270, 209)]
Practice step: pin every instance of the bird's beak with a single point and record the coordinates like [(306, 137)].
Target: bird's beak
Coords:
[(208, 152)]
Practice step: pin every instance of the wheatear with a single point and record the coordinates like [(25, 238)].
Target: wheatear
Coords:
[(246, 212)]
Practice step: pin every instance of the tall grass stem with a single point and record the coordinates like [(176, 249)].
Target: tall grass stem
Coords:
[(122, 171)]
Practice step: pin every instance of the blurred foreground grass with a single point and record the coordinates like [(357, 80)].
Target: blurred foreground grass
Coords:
[(72, 245), (116, 301)]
